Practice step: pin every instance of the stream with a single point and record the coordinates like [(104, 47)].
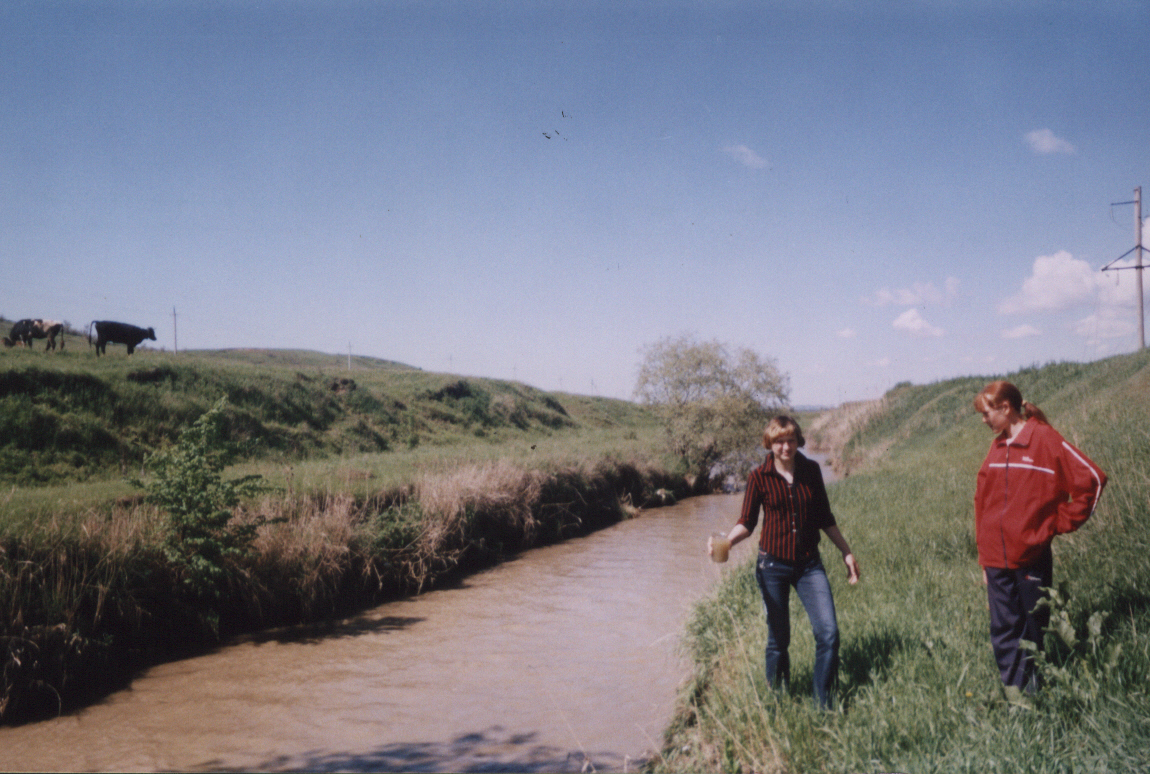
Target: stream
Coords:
[(564, 658)]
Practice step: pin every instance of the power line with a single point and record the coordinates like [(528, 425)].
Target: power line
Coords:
[(1137, 250)]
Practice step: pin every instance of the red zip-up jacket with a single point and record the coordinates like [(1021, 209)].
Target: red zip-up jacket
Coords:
[(1029, 490)]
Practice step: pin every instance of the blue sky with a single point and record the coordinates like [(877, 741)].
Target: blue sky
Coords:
[(867, 193)]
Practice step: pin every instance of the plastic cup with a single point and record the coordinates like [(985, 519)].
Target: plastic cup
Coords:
[(720, 547)]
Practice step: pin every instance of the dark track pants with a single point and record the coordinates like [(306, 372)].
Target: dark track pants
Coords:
[(1013, 595)]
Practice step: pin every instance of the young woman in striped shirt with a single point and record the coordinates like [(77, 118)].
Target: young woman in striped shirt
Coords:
[(788, 489)]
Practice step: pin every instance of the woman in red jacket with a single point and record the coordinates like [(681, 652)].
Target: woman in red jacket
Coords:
[(1032, 486)]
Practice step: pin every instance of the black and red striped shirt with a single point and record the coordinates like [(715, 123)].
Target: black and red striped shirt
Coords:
[(793, 514)]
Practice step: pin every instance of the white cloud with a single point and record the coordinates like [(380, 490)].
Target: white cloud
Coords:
[(1056, 282), (846, 333), (918, 294), (1060, 282), (912, 322), (745, 156), (1045, 142), (1106, 323), (1021, 332)]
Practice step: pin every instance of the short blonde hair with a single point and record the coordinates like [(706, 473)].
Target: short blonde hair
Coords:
[(780, 426)]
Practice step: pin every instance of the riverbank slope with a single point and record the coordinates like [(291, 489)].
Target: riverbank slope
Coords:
[(919, 688)]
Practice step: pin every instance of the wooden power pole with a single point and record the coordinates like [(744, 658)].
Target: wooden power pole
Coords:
[(1138, 264)]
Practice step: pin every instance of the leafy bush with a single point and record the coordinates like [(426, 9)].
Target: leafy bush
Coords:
[(203, 540)]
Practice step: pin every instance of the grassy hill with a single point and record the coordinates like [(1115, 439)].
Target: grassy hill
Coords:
[(920, 691), (69, 416)]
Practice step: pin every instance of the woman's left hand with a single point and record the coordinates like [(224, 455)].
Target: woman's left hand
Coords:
[(853, 571)]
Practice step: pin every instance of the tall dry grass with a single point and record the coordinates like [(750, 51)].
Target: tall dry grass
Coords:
[(831, 431), (303, 554), (505, 495), (60, 578)]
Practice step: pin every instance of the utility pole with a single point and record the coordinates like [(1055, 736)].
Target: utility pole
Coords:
[(1137, 250), (175, 332), (1138, 264)]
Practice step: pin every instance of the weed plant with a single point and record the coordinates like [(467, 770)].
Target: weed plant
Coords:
[(919, 690), (203, 543)]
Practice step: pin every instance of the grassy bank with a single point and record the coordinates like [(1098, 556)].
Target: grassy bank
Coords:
[(919, 688), (383, 482), (68, 417)]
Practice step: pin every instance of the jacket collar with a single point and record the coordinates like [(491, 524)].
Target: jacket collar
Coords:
[(769, 462), (1023, 437)]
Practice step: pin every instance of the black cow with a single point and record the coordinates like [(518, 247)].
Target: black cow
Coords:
[(24, 331), (108, 332)]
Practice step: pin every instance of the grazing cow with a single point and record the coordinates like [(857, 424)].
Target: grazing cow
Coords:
[(108, 332), (24, 331)]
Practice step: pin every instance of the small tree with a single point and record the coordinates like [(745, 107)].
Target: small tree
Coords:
[(202, 541), (712, 402)]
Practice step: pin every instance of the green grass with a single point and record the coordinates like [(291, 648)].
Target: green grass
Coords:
[(919, 688), (69, 419), (366, 474), (360, 475)]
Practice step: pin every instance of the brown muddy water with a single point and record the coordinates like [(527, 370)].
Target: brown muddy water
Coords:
[(563, 659)]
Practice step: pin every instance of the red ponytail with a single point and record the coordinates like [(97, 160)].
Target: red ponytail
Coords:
[(997, 393)]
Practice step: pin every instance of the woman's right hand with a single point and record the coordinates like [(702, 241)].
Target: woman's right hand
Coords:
[(853, 570)]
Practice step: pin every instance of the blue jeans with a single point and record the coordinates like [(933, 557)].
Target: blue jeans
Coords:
[(809, 578)]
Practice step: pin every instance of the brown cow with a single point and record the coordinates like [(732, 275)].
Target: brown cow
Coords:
[(23, 331)]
